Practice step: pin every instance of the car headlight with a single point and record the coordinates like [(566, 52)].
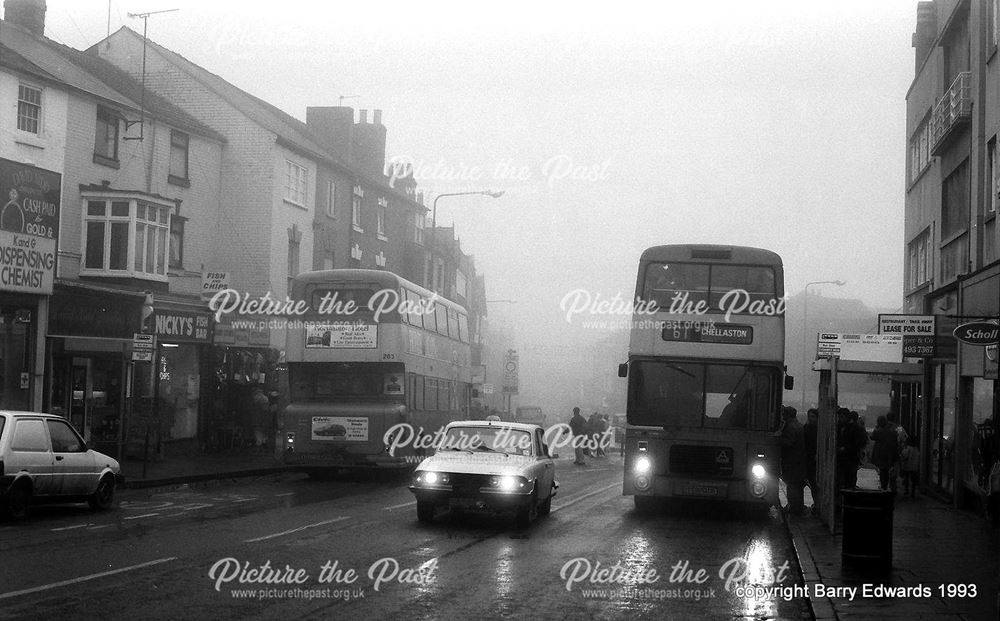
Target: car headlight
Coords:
[(758, 471), (508, 483), (431, 478), (642, 465)]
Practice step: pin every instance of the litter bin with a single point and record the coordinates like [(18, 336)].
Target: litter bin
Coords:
[(867, 528)]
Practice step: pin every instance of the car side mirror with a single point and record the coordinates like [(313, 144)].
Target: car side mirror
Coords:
[(623, 370), (789, 382)]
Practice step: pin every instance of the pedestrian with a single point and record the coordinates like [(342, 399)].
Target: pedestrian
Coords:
[(849, 444), (602, 429), (910, 466), (885, 453), (593, 430), (793, 459), (578, 425), (810, 430)]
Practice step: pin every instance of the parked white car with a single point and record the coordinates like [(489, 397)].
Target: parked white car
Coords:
[(487, 466), (43, 459)]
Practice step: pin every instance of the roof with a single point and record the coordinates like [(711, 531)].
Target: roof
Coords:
[(46, 62), (87, 73)]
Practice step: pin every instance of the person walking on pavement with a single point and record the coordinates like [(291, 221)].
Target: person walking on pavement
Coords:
[(847, 450), (793, 459), (578, 425), (810, 430), (885, 453), (593, 429), (910, 466)]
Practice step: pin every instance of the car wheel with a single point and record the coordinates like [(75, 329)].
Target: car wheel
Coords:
[(104, 496), (527, 514), (425, 511), (18, 504)]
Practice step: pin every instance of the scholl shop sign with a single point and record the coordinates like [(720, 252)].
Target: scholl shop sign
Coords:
[(978, 333)]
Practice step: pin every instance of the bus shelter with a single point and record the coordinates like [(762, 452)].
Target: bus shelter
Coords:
[(826, 433)]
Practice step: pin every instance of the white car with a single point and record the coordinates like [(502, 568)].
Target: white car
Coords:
[(487, 466), (43, 459)]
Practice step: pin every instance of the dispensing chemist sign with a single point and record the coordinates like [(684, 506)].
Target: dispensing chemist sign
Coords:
[(29, 227)]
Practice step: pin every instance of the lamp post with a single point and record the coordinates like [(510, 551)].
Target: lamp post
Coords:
[(434, 208), (805, 316)]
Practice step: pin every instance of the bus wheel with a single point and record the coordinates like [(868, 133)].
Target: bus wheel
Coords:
[(425, 511), (644, 504)]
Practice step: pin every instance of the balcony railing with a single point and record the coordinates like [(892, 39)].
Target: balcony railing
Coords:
[(953, 110)]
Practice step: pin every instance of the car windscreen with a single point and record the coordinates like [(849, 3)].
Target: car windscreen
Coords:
[(488, 439)]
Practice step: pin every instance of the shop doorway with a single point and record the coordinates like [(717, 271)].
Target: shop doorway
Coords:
[(15, 358), (88, 390)]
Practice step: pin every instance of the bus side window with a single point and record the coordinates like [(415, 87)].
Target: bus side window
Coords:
[(442, 319), (428, 315), (418, 392), (463, 327)]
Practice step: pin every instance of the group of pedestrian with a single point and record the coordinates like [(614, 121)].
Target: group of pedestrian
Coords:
[(895, 453), (588, 435)]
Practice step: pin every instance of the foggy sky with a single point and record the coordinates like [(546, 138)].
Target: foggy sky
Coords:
[(777, 124)]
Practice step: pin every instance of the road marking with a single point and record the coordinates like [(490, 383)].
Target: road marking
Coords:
[(136, 517), (100, 527), (286, 494), (585, 496), (295, 530), (405, 504), (70, 527), (103, 574), (245, 500)]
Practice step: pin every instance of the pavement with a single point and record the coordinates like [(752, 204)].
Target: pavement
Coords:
[(934, 546), (200, 467)]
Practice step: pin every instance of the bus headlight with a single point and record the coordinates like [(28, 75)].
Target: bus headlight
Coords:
[(290, 441), (758, 471), (642, 465)]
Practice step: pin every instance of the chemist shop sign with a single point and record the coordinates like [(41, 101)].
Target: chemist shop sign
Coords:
[(29, 227)]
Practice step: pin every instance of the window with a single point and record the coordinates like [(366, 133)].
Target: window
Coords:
[(176, 242), (106, 137), (992, 178), (296, 178), (380, 228), (29, 435), (126, 236), (331, 194), (356, 209), (461, 284), (293, 261), (29, 108), (955, 202), (920, 150), (64, 439), (418, 227), (178, 158), (918, 255)]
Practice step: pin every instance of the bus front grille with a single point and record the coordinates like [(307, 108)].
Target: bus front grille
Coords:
[(701, 460)]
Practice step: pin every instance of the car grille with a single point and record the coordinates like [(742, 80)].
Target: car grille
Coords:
[(701, 460), (467, 483)]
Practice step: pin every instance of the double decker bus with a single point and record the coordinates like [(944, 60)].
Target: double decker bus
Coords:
[(705, 375), (372, 351)]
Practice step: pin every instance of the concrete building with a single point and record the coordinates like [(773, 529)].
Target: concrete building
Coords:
[(951, 236)]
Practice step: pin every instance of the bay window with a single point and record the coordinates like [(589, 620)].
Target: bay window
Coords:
[(126, 236)]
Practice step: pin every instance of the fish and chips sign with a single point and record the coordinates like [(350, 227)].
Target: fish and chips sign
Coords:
[(29, 227)]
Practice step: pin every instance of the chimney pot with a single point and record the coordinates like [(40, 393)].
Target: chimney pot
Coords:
[(377, 117), (363, 116)]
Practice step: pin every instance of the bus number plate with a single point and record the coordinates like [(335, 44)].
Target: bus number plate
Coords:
[(699, 490)]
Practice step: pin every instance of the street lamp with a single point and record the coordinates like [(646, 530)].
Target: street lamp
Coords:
[(805, 316), (434, 210)]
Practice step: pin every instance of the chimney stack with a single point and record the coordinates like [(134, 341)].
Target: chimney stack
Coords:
[(333, 127), (926, 32), (28, 14), (363, 117)]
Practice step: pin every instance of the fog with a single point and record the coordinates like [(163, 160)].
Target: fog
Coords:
[(610, 129)]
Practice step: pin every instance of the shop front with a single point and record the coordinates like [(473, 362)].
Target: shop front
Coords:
[(89, 378), (937, 441)]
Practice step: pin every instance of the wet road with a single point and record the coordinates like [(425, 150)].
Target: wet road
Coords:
[(290, 547)]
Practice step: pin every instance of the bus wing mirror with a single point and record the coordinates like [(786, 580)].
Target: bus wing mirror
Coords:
[(789, 382), (623, 370)]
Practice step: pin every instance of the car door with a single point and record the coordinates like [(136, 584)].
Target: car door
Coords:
[(73, 464), (547, 469), (30, 452)]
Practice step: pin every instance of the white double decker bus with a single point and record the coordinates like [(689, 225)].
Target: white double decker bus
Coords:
[(372, 352), (705, 375)]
